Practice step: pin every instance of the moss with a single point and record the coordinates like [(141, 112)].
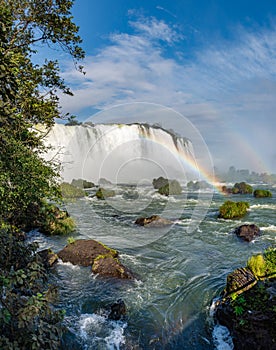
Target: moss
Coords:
[(70, 191), (262, 193), (233, 210), (112, 251), (256, 264)]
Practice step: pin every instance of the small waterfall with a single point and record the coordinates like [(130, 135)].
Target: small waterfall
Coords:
[(121, 153)]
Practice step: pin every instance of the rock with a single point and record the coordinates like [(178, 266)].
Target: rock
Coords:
[(240, 280), (104, 182), (109, 266), (160, 182), (103, 193), (153, 221), (69, 191), (48, 257), (171, 188), (83, 252), (252, 319), (262, 193), (80, 183), (247, 232), (117, 310)]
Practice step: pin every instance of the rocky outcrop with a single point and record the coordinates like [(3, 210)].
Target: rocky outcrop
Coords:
[(262, 193), (103, 260), (247, 232), (83, 252), (171, 188), (117, 310), (103, 193), (160, 182), (233, 210), (153, 221), (248, 305), (108, 266)]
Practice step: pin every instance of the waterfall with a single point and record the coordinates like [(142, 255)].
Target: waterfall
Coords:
[(121, 153)]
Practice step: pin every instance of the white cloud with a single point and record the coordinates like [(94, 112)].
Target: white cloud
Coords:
[(228, 84)]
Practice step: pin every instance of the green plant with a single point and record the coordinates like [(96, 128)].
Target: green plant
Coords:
[(69, 191), (71, 240), (232, 210)]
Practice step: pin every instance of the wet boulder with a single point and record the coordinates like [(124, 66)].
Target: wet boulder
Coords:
[(153, 221), (103, 193), (83, 252), (247, 232), (47, 257), (240, 280), (109, 266)]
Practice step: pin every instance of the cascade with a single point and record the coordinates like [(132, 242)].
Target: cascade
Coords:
[(121, 153)]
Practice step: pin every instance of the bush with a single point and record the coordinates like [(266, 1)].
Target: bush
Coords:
[(233, 210), (263, 265), (160, 182), (69, 191), (172, 188), (256, 264), (262, 193), (27, 319)]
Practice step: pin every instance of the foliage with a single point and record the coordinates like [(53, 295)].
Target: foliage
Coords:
[(72, 120), (28, 96), (262, 193), (103, 193), (27, 319), (263, 265), (71, 191), (71, 240), (172, 188), (233, 210)]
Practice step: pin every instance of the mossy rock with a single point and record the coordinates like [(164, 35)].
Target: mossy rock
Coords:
[(153, 221), (262, 193), (103, 193), (233, 210), (197, 185), (109, 266), (171, 188), (263, 265), (160, 182), (242, 188), (83, 252), (80, 183), (69, 191)]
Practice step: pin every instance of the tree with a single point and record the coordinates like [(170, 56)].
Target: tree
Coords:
[(29, 96)]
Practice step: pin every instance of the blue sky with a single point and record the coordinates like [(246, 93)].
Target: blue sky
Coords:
[(212, 61)]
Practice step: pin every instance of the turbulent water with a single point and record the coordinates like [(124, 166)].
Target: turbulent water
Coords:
[(179, 273)]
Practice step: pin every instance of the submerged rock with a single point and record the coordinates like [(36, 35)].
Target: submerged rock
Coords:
[(153, 221), (247, 232), (117, 310), (83, 252)]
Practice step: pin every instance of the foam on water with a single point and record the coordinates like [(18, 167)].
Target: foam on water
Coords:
[(222, 339), (263, 206)]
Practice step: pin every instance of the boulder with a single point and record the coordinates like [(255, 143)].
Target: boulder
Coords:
[(153, 221), (171, 188), (83, 252), (247, 232), (109, 266), (160, 182), (48, 257), (117, 310), (103, 193), (262, 193), (240, 280)]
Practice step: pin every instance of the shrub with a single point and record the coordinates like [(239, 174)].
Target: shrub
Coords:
[(256, 264), (160, 182), (263, 265), (233, 210), (262, 193)]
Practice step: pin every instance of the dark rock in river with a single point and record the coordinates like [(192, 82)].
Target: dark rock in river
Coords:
[(117, 310), (160, 182), (103, 193), (108, 266), (247, 232), (83, 252), (48, 257), (153, 221), (240, 280)]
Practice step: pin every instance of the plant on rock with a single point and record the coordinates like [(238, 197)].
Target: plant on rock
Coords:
[(262, 193), (233, 210)]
